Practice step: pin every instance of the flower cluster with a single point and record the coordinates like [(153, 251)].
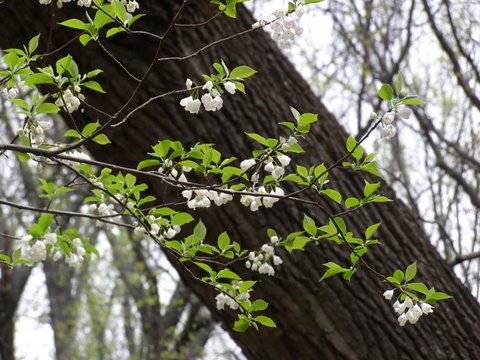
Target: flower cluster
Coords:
[(409, 310), (388, 130), (69, 101), (164, 231), (37, 130), (286, 144), (254, 202), (231, 300), (131, 5), (104, 210), (203, 198), (211, 99), (77, 253), (261, 262), (285, 28), (37, 251)]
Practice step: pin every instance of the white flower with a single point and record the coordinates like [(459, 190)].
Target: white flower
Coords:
[(278, 172), (50, 238), (277, 260), (68, 101), (132, 6), (217, 103), (248, 264), (404, 112), (388, 132), (230, 87), (408, 302), (284, 160), (260, 23), (417, 311), (373, 116), (269, 167), (426, 308), (267, 269), (191, 105), (388, 294), (300, 11), (189, 84), (268, 250), (274, 239), (155, 229), (57, 256), (399, 307), (280, 13), (170, 233), (402, 319), (208, 86), (414, 314), (77, 242), (247, 164), (388, 118), (85, 3)]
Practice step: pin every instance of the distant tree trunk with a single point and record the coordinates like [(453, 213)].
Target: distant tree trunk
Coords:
[(12, 284), (327, 320)]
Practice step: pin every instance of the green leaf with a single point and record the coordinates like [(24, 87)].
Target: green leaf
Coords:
[(305, 120), (333, 269), (223, 241), (245, 286), (437, 296), (411, 271), (398, 276), (90, 128), (5, 258), (119, 10), (85, 39), (385, 92), (148, 163), (74, 24), (306, 2), (114, 31), (258, 138), (205, 267), (418, 287), (298, 243), (44, 221), (334, 195), (242, 324), (381, 199), (33, 44), (309, 225), (182, 219), (351, 202), (369, 189), (242, 72), (412, 102), (371, 230), (259, 305), (228, 274), (200, 231), (47, 108), (101, 139), (399, 83), (265, 321), (95, 86), (350, 144)]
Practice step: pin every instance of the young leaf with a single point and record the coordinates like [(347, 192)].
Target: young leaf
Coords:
[(386, 92), (411, 271)]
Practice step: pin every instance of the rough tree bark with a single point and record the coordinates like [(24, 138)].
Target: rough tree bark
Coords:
[(315, 320)]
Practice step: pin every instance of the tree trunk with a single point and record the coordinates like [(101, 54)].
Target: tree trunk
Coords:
[(328, 320)]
